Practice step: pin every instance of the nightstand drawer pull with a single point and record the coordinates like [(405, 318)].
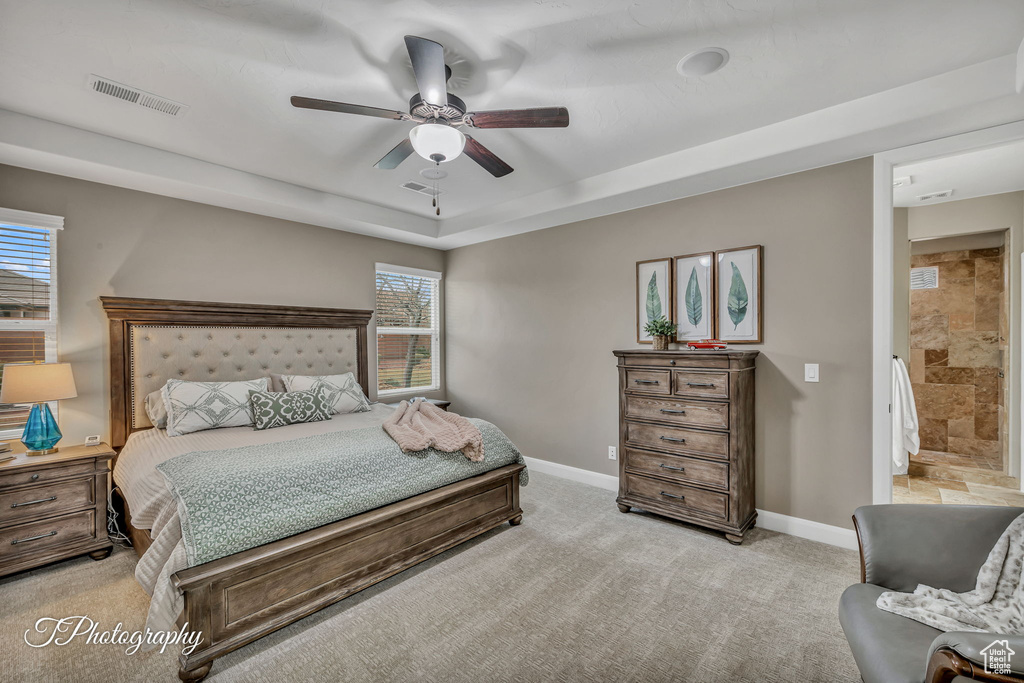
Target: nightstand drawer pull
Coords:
[(32, 538), (34, 476), (700, 384), (34, 502), (647, 381), (673, 412), (669, 467), (670, 438), (672, 495)]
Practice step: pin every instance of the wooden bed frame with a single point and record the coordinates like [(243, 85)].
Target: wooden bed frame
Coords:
[(239, 598)]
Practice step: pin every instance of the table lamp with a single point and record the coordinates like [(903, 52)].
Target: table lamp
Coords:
[(37, 383)]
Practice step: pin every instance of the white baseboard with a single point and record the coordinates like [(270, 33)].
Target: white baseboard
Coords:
[(772, 521)]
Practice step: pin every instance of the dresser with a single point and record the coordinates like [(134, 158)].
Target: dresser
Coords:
[(686, 436), (54, 507)]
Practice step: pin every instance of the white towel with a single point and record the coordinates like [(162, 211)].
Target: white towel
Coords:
[(904, 418)]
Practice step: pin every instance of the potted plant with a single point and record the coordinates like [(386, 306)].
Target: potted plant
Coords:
[(662, 330)]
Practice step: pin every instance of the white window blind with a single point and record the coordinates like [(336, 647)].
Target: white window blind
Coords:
[(408, 330), (28, 299)]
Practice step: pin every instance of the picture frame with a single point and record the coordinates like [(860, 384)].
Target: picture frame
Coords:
[(653, 294), (739, 295), (693, 277)]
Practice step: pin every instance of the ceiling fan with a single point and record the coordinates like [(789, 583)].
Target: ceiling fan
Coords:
[(439, 115)]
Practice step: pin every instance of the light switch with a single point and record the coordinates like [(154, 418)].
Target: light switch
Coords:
[(811, 372)]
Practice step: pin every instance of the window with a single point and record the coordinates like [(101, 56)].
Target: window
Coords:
[(28, 298), (408, 329)]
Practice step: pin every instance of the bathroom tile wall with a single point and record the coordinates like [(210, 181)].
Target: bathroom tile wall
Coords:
[(956, 338)]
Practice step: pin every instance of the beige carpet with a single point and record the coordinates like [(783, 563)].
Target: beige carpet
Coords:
[(579, 592)]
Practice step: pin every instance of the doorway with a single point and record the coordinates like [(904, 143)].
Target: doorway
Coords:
[(958, 233)]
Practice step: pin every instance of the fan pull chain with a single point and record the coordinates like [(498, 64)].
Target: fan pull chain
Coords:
[(437, 180)]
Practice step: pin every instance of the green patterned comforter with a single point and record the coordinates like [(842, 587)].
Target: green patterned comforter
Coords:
[(235, 499)]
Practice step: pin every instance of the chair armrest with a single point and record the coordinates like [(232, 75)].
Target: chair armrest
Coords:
[(960, 653), (942, 546)]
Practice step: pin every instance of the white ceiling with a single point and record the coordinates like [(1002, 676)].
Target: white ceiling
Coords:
[(994, 170), (236, 63)]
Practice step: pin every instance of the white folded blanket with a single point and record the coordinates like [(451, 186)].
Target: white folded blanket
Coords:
[(995, 605)]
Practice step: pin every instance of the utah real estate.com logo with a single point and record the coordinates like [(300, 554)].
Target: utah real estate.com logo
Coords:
[(997, 656)]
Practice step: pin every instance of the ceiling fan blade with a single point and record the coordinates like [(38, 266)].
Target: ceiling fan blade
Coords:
[(486, 158), (396, 156), (428, 65), (328, 105), (543, 117)]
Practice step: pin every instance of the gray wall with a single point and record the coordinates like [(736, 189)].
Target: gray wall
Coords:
[(532, 321), (997, 212), (901, 285), (127, 243)]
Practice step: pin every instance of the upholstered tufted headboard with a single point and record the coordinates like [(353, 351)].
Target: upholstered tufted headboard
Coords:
[(153, 340)]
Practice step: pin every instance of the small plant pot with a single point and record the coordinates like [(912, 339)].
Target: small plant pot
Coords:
[(661, 342)]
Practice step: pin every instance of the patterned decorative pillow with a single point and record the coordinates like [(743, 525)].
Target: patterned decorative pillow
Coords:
[(271, 409), (195, 406), (343, 393)]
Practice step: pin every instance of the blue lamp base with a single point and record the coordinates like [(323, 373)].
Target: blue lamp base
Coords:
[(41, 432)]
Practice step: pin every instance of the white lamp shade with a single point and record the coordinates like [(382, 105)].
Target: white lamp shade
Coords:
[(430, 139), (37, 382)]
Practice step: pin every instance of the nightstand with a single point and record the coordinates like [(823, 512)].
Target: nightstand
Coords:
[(53, 507), (440, 403)]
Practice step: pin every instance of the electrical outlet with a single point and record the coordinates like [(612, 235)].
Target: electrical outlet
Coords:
[(613, 453)]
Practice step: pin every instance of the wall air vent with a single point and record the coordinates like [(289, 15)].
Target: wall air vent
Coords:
[(924, 278), (105, 86), (935, 195), (422, 189)]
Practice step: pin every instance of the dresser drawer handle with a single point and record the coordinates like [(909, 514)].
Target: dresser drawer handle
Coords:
[(32, 538), (647, 381), (672, 495), (670, 438), (700, 384), (671, 362), (34, 477), (670, 467), (673, 412), (33, 502)]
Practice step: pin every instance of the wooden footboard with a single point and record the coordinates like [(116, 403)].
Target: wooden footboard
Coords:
[(242, 597)]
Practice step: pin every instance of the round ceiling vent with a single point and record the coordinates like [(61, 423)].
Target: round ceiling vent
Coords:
[(703, 62), (433, 173)]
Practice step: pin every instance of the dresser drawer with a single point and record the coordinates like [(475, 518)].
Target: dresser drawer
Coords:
[(685, 498), (35, 501), (701, 384), (688, 361), (713, 415), (31, 537), (39, 476), (648, 381), (677, 440), (679, 468)]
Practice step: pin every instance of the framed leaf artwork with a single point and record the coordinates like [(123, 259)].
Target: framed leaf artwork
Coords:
[(739, 295), (694, 278), (653, 294)]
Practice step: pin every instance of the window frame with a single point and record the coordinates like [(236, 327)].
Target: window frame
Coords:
[(49, 327), (434, 330)]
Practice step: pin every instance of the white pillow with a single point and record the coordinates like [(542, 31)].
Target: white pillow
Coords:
[(343, 393), (156, 410), (195, 406)]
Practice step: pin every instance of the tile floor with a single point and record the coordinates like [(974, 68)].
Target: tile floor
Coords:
[(947, 480), (980, 462)]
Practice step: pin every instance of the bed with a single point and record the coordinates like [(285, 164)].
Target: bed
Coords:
[(243, 596)]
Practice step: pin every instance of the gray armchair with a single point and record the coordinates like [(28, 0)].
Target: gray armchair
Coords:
[(902, 546)]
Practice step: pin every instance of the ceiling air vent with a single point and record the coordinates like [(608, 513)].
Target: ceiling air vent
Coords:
[(924, 278), (935, 195), (105, 86), (422, 189)]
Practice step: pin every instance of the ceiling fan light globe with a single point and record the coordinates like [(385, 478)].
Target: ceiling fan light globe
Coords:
[(431, 140)]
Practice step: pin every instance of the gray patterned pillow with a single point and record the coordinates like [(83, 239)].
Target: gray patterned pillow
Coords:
[(271, 410), (343, 393), (195, 406)]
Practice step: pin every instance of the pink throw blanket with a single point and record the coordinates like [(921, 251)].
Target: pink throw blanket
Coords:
[(419, 425)]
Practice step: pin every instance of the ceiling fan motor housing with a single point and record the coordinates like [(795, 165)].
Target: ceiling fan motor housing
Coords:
[(453, 112)]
